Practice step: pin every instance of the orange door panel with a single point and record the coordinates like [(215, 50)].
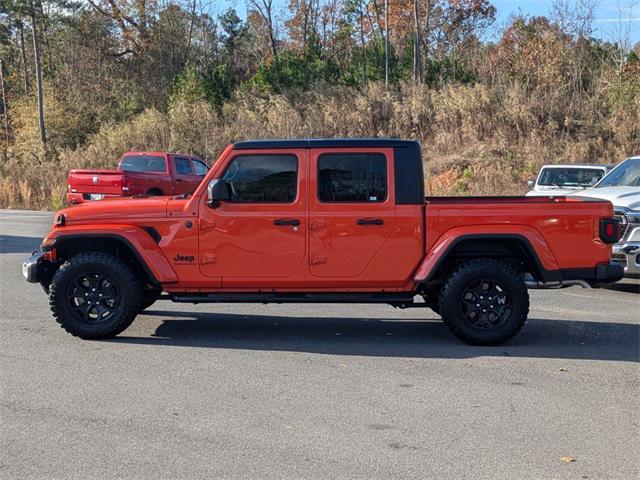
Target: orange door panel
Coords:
[(351, 209), (260, 233)]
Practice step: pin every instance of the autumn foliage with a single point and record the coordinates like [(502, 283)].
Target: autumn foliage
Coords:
[(488, 109)]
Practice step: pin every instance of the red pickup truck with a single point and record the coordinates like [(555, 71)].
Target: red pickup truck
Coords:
[(322, 221), (138, 173)]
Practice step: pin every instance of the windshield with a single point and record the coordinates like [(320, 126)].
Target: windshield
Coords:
[(627, 174), (143, 163), (569, 177)]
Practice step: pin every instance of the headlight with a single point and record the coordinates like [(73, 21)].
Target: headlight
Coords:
[(629, 220), (632, 217)]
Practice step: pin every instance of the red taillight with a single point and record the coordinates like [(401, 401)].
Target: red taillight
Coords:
[(609, 230), (126, 183)]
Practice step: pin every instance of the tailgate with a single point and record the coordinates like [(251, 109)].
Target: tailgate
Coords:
[(95, 181)]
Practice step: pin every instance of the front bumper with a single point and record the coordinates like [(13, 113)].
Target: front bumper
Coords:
[(32, 267), (627, 255)]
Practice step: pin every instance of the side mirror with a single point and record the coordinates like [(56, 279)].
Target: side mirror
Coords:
[(531, 183), (217, 191)]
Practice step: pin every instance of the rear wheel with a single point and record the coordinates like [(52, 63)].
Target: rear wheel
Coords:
[(484, 302), (95, 295)]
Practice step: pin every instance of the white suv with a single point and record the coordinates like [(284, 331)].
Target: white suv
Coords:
[(566, 179), (621, 186)]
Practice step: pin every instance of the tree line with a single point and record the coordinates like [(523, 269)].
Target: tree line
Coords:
[(73, 69), (152, 45)]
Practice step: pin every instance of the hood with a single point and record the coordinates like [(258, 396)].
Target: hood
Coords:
[(628, 197), (116, 209), (554, 191)]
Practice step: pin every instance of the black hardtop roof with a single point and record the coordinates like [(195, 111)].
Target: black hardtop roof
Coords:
[(325, 143)]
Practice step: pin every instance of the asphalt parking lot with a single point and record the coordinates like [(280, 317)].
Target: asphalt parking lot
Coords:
[(305, 391)]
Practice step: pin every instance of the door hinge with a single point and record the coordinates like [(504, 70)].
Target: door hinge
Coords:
[(318, 260), (205, 225), (208, 260), (317, 225)]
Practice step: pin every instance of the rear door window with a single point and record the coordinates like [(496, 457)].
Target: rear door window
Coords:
[(183, 166), (352, 177), (143, 163)]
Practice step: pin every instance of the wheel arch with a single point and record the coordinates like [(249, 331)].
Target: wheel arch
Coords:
[(139, 250), (509, 246)]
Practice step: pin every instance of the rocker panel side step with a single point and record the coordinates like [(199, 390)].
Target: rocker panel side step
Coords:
[(294, 297)]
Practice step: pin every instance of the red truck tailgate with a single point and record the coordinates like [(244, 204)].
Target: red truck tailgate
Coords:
[(96, 181)]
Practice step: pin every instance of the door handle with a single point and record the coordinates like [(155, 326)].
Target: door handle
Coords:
[(179, 180), (286, 221), (370, 221)]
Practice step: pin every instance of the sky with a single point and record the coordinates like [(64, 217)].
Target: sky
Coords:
[(614, 20)]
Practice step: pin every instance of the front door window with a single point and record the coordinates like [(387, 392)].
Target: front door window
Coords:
[(262, 178)]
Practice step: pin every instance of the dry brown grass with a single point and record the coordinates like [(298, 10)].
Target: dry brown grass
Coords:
[(476, 140)]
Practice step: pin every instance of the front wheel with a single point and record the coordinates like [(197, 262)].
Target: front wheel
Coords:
[(484, 302), (95, 295)]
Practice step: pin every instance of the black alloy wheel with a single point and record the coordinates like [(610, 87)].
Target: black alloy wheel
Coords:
[(485, 303), (93, 297)]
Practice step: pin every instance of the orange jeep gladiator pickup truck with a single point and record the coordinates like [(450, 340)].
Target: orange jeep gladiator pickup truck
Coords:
[(325, 221)]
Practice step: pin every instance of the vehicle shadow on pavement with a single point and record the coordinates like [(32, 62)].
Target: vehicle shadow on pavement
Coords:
[(627, 286), (16, 244), (387, 337)]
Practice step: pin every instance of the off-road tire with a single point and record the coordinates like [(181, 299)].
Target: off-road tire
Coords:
[(127, 285), (452, 304)]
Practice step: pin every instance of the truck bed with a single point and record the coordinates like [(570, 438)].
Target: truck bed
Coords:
[(500, 199), (563, 231)]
